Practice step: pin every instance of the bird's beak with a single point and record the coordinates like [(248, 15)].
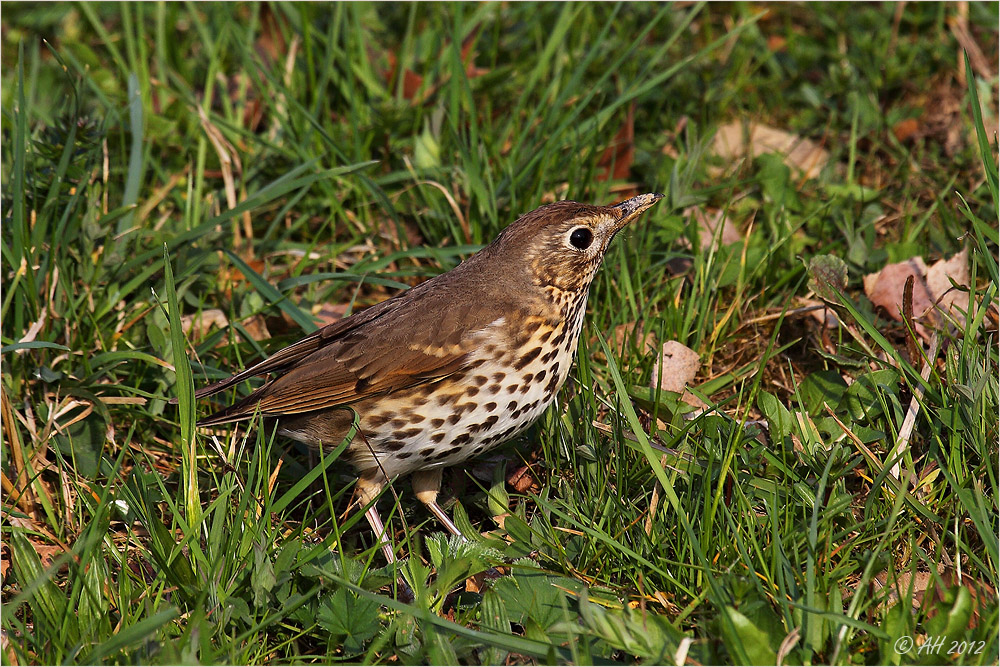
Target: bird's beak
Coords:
[(630, 209)]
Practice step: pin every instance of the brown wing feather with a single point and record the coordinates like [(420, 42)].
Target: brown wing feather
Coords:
[(296, 352), (366, 355)]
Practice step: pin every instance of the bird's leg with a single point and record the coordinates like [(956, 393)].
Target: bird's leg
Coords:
[(368, 490), (426, 484)]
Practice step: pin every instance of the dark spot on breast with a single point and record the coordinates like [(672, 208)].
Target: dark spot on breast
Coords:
[(404, 455), (545, 335), (443, 454), (472, 391), (375, 421), (414, 418), (499, 376), (454, 418), (490, 407), (512, 406), (467, 407), (528, 378), (455, 450), (558, 339), (480, 380), (398, 423), (555, 369), (525, 388), (550, 355), (473, 428), (490, 421), (407, 434), (437, 423), (437, 437), (393, 446), (445, 399), (511, 388), (527, 358), (494, 388), (426, 452), (477, 363), (462, 439), (552, 385), (540, 376)]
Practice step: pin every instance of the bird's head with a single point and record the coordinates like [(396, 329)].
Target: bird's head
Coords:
[(562, 244)]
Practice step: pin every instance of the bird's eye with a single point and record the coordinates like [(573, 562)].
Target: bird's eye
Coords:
[(580, 238)]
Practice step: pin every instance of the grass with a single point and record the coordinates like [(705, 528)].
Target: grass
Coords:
[(265, 166)]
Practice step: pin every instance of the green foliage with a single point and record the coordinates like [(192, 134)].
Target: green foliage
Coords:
[(171, 165)]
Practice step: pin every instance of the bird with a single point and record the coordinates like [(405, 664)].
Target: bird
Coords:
[(445, 370)]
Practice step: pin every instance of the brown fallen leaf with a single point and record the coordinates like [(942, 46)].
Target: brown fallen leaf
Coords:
[(256, 326), (933, 293), (522, 479), (677, 366), (733, 141), (940, 277), (906, 129), (624, 336), (616, 161), (413, 82), (822, 313), (941, 121), (328, 313), (708, 221), (198, 325)]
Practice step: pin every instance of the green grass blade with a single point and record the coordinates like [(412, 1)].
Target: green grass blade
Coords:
[(185, 400)]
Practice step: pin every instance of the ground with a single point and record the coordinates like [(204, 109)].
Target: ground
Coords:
[(189, 187)]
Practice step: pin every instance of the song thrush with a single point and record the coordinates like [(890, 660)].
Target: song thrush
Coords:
[(448, 369)]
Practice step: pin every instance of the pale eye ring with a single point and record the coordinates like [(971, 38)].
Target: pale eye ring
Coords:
[(581, 238)]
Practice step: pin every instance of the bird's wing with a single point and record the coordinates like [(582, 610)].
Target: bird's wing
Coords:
[(428, 336), (289, 356)]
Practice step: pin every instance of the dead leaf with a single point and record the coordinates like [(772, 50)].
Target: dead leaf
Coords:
[(708, 221), (906, 129), (940, 277), (932, 290), (523, 480), (677, 366), (927, 590), (959, 25), (824, 316), (693, 401), (256, 326), (827, 277), (616, 161), (776, 43), (328, 313), (629, 334), (198, 325), (942, 118), (733, 141), (413, 82)]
